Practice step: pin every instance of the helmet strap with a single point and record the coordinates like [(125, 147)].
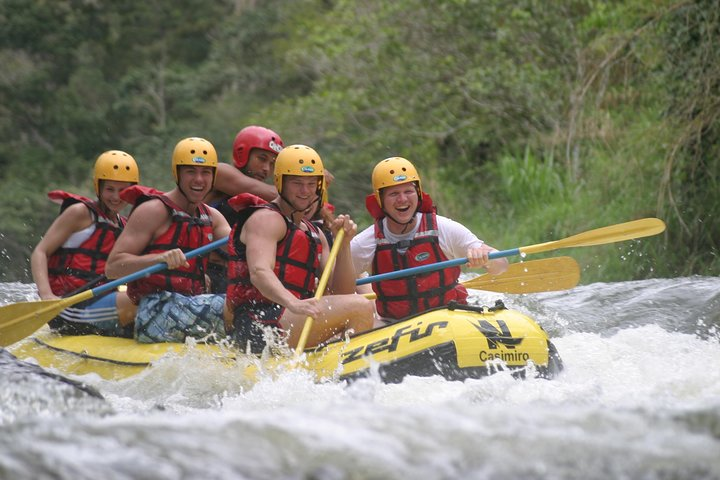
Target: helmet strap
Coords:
[(107, 212), (180, 188), (190, 204), (295, 209), (404, 224), (103, 208)]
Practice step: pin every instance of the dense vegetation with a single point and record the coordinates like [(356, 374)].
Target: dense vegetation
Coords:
[(529, 120)]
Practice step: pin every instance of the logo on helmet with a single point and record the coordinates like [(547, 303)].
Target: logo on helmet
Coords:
[(274, 146), (307, 169), (399, 178), (198, 160)]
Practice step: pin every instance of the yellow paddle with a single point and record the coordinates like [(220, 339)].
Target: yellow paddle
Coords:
[(644, 227), (320, 289), (20, 320), (545, 275)]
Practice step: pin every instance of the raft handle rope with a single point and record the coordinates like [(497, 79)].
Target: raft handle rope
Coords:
[(499, 305)]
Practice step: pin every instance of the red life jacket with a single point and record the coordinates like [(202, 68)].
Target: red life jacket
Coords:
[(71, 268), (185, 232), (297, 263), (414, 294)]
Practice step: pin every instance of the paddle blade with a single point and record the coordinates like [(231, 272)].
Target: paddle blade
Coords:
[(644, 227), (546, 275), (20, 320)]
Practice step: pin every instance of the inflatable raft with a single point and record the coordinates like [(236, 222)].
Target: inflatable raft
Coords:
[(456, 342)]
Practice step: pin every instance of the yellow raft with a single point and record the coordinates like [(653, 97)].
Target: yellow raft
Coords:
[(456, 342)]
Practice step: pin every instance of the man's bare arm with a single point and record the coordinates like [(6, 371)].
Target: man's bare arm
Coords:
[(146, 222), (231, 181)]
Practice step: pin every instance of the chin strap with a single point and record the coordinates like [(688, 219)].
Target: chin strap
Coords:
[(188, 200), (109, 213), (296, 210), (406, 224)]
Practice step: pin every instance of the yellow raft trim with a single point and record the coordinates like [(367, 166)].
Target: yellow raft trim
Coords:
[(456, 343)]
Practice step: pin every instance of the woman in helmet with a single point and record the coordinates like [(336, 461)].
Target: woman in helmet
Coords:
[(277, 255), (161, 227), (408, 233), (72, 254)]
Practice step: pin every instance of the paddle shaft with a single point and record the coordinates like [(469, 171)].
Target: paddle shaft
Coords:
[(87, 286), (19, 320), (302, 341), (156, 268), (421, 269), (615, 233)]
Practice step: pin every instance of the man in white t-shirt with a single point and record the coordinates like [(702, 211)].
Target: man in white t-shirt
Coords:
[(408, 233)]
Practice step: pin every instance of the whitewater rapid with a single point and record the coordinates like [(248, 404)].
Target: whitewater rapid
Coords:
[(639, 399)]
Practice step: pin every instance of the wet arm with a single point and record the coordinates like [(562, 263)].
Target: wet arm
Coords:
[(126, 257), (260, 235), (221, 227), (461, 242), (74, 219), (343, 278), (232, 181)]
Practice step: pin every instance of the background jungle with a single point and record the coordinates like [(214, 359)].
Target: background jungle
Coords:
[(529, 120)]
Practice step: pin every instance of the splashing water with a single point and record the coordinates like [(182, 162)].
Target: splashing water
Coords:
[(639, 398)]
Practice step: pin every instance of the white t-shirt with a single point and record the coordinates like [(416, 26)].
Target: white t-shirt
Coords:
[(454, 237), (78, 238)]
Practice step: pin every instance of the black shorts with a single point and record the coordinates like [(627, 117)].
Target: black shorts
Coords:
[(253, 324), (218, 277)]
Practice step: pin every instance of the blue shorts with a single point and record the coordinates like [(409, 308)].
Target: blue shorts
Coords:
[(172, 317), (97, 316)]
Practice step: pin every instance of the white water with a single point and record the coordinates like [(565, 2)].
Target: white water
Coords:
[(639, 399)]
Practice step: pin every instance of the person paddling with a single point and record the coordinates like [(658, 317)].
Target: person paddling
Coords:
[(72, 254), (161, 227), (254, 151), (408, 233), (277, 255)]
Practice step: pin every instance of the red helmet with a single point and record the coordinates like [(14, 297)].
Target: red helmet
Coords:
[(254, 137)]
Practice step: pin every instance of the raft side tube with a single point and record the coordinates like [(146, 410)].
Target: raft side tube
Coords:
[(456, 342)]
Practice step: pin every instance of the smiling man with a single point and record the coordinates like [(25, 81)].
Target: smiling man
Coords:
[(254, 151), (408, 233), (161, 227), (277, 256)]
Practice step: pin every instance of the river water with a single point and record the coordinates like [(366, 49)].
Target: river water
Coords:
[(639, 399)]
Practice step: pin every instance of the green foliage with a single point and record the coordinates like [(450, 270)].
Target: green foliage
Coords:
[(528, 120), (691, 179), (530, 182)]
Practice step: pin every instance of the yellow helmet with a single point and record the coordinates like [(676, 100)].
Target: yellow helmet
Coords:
[(196, 152), (394, 171), (117, 166), (302, 161)]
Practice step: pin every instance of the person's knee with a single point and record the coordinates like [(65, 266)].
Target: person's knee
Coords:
[(363, 320), (126, 309)]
